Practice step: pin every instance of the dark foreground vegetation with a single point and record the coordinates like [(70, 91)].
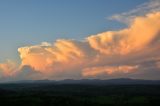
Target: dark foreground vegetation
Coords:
[(51, 94)]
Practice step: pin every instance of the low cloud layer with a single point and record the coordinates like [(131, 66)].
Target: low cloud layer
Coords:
[(130, 52), (94, 71)]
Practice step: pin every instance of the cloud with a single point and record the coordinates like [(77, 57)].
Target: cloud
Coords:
[(138, 36), (62, 55), (94, 71), (130, 52), (158, 64), (109, 52), (7, 69), (27, 73), (141, 10)]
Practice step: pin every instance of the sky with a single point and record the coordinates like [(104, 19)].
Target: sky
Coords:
[(29, 22), (59, 39)]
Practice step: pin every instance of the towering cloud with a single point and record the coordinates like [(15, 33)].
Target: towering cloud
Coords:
[(62, 55), (123, 51), (139, 35)]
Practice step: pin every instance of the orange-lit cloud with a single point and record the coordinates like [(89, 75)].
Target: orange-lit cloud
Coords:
[(124, 51), (62, 55), (139, 35), (94, 71), (107, 48), (7, 68)]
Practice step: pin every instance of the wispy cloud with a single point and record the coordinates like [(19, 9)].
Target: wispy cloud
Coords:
[(128, 17)]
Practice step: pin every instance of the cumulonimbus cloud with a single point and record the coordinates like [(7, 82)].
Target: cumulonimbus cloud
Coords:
[(107, 53), (99, 50)]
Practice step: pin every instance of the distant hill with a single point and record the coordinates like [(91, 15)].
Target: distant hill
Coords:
[(119, 81)]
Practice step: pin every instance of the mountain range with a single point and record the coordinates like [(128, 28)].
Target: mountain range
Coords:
[(119, 81)]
